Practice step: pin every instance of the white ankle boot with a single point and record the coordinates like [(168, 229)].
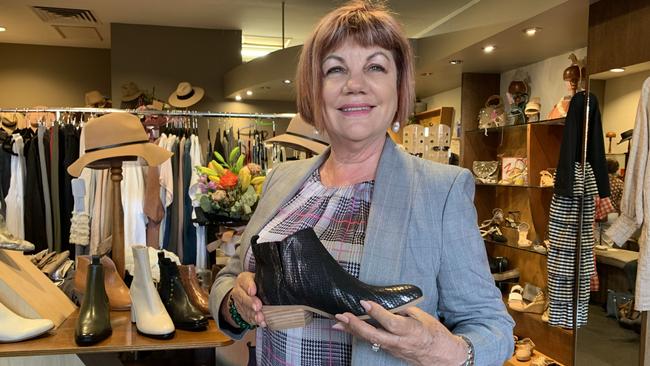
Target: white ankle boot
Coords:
[(147, 310), (15, 328)]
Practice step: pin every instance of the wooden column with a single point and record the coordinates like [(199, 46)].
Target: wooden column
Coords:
[(117, 251)]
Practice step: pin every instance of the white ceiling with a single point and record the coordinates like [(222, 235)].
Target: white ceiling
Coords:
[(444, 29), (253, 17)]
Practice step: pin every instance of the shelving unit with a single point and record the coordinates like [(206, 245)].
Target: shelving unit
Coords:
[(442, 115), (539, 142)]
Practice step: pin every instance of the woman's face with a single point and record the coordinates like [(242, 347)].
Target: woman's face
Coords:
[(359, 92)]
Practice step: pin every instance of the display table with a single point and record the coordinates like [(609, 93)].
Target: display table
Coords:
[(125, 338)]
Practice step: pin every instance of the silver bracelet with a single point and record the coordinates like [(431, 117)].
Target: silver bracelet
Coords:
[(469, 361)]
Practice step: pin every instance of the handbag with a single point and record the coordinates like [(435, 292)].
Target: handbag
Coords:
[(486, 171), (493, 114)]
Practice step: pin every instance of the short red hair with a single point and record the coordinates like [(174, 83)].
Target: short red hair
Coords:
[(368, 25)]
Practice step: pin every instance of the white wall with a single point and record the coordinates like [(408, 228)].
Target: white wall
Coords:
[(52, 76), (545, 79), (449, 98), (620, 105)]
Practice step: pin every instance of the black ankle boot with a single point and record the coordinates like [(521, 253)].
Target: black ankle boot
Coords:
[(300, 271), (94, 321), (172, 293)]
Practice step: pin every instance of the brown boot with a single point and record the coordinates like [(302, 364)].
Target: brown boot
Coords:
[(198, 296), (118, 293)]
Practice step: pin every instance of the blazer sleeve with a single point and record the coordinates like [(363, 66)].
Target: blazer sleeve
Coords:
[(469, 303), (225, 280), (631, 217)]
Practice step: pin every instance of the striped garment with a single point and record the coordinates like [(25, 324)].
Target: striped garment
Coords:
[(563, 231), (338, 216)]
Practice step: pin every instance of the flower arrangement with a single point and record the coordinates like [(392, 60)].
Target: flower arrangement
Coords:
[(229, 188)]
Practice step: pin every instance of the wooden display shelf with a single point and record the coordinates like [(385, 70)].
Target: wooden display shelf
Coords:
[(512, 185), (555, 342), (513, 361), (546, 122), (442, 115), (125, 338), (511, 244)]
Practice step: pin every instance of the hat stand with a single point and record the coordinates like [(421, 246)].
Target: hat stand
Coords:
[(117, 245)]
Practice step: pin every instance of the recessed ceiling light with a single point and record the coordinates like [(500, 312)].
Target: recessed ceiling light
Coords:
[(426, 74), (489, 48), (287, 81), (532, 31), (238, 97), (618, 69), (249, 92), (456, 62), (2, 29)]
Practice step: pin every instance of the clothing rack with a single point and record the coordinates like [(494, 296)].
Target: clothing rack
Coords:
[(182, 113)]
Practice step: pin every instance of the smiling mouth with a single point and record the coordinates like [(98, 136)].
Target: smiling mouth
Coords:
[(356, 109)]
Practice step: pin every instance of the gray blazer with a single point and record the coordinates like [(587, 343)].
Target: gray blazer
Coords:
[(422, 229)]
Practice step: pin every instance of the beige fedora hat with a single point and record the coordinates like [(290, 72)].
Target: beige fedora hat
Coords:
[(117, 135), (130, 91), (186, 95), (94, 97), (301, 135)]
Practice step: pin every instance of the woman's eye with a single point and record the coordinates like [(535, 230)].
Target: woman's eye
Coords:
[(334, 70), (377, 68)]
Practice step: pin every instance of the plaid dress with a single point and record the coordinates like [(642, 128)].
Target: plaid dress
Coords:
[(338, 216)]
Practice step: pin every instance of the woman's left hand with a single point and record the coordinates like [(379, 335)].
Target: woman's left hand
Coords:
[(412, 335)]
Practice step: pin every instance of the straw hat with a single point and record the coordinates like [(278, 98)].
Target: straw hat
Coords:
[(186, 95), (12, 120), (94, 97), (117, 135), (130, 91), (301, 135)]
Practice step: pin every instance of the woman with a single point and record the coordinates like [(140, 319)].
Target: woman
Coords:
[(387, 217)]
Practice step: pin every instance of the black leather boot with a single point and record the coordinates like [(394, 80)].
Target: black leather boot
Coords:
[(94, 321), (172, 293), (300, 272)]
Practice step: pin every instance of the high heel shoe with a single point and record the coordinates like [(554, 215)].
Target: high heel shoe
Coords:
[(298, 275), (172, 293), (147, 310), (118, 293), (198, 296), (15, 328), (94, 321)]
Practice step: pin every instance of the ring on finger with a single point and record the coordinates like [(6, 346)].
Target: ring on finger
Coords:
[(376, 347)]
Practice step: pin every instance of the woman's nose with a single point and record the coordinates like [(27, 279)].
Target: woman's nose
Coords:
[(356, 83)]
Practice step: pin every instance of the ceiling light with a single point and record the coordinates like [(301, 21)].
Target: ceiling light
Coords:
[(249, 92), (489, 48), (426, 74), (618, 69), (2, 29), (532, 31), (238, 97), (287, 81), (456, 62)]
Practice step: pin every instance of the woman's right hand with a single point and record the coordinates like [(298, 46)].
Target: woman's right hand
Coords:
[(248, 305)]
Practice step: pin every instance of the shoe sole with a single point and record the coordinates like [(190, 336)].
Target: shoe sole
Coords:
[(158, 336), (279, 317)]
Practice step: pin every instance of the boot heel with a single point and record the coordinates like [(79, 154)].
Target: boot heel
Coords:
[(281, 317)]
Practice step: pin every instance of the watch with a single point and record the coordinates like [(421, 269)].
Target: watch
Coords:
[(469, 361)]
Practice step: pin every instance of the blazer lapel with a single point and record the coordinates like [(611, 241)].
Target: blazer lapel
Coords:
[(388, 218)]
